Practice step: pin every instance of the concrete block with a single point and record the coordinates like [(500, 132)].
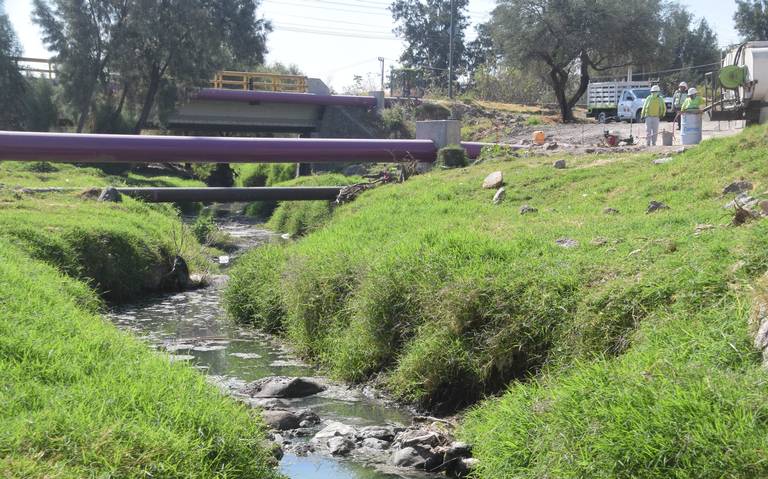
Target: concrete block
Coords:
[(380, 104), (441, 132)]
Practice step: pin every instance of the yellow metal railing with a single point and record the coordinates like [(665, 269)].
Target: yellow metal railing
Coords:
[(229, 80)]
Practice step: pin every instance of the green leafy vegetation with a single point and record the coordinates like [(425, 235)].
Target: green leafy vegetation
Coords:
[(626, 355), (80, 398)]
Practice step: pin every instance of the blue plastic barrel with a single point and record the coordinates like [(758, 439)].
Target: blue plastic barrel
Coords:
[(691, 128)]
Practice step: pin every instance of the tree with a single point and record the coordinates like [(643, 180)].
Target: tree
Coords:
[(425, 26), (751, 19), (85, 34), (12, 85), (188, 40), (576, 37)]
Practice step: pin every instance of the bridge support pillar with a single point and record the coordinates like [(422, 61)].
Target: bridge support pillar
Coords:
[(441, 132), (380, 103)]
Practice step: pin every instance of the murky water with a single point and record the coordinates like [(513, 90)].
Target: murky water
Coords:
[(193, 327)]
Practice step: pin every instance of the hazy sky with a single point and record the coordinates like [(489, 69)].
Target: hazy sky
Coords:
[(336, 39)]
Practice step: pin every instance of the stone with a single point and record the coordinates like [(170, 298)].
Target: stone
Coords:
[(421, 438), (267, 403), (383, 433), (567, 243), (412, 457), (702, 228), (111, 195), (308, 417), (551, 146), (599, 241), (559, 164), (282, 387), (458, 448), (661, 161), (340, 446), (738, 187), (763, 207), (610, 211), (742, 200), (374, 443), (466, 466), (501, 193), (527, 209), (654, 206), (280, 420), (334, 429), (494, 180)]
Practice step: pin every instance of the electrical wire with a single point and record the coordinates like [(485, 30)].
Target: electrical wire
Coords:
[(345, 30), (336, 34)]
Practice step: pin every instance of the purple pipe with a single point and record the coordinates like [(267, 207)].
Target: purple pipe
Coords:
[(248, 96), (82, 148)]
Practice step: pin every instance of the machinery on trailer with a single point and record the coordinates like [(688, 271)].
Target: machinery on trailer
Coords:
[(739, 89)]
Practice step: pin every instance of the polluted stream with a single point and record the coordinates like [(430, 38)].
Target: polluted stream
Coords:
[(192, 326)]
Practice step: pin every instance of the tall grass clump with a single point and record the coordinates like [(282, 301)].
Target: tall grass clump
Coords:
[(81, 399), (617, 340)]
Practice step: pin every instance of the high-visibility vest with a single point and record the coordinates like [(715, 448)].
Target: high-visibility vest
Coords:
[(692, 103), (654, 106)]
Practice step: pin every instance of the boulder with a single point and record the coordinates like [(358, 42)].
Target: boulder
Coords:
[(383, 433), (738, 187), (340, 445), (420, 438), (374, 443), (553, 146), (499, 196), (466, 466), (309, 417), (110, 194), (412, 457), (559, 164), (742, 200), (282, 387), (280, 420), (334, 429), (494, 180)]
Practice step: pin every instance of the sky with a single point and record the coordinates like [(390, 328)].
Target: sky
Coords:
[(336, 39)]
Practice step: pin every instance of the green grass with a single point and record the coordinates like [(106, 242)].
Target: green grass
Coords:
[(264, 174), (627, 356), (79, 398)]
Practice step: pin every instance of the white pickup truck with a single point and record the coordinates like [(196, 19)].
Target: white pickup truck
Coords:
[(621, 100)]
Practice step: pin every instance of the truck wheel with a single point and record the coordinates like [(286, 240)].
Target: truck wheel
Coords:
[(602, 117)]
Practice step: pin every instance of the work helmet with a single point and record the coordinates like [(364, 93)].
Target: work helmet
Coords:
[(683, 84), (655, 88), (692, 91)]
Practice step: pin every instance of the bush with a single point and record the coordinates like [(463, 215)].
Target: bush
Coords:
[(432, 111), (203, 227), (452, 156)]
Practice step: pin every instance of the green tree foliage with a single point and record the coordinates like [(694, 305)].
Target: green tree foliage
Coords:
[(687, 49), (85, 34), (40, 109), (12, 86), (425, 27), (142, 53), (576, 37), (751, 19)]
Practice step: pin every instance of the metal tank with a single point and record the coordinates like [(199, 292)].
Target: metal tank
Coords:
[(739, 89)]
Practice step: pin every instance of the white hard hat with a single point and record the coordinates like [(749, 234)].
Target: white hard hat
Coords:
[(655, 88), (692, 91), (683, 84)]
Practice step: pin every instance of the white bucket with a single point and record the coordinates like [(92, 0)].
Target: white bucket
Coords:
[(667, 137), (691, 128)]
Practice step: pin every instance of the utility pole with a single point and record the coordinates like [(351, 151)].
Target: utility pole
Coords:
[(450, 52), (381, 59)]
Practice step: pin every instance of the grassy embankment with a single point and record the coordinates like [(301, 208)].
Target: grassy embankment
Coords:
[(628, 355), (80, 398)]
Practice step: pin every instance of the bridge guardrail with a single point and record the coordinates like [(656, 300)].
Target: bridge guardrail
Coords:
[(232, 80)]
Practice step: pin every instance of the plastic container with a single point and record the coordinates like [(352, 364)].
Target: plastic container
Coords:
[(539, 137), (691, 128)]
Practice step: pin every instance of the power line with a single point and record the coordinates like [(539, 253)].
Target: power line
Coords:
[(333, 30), (336, 34)]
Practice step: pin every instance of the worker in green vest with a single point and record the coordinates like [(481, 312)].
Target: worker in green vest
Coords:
[(693, 102), (654, 110), (678, 99)]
